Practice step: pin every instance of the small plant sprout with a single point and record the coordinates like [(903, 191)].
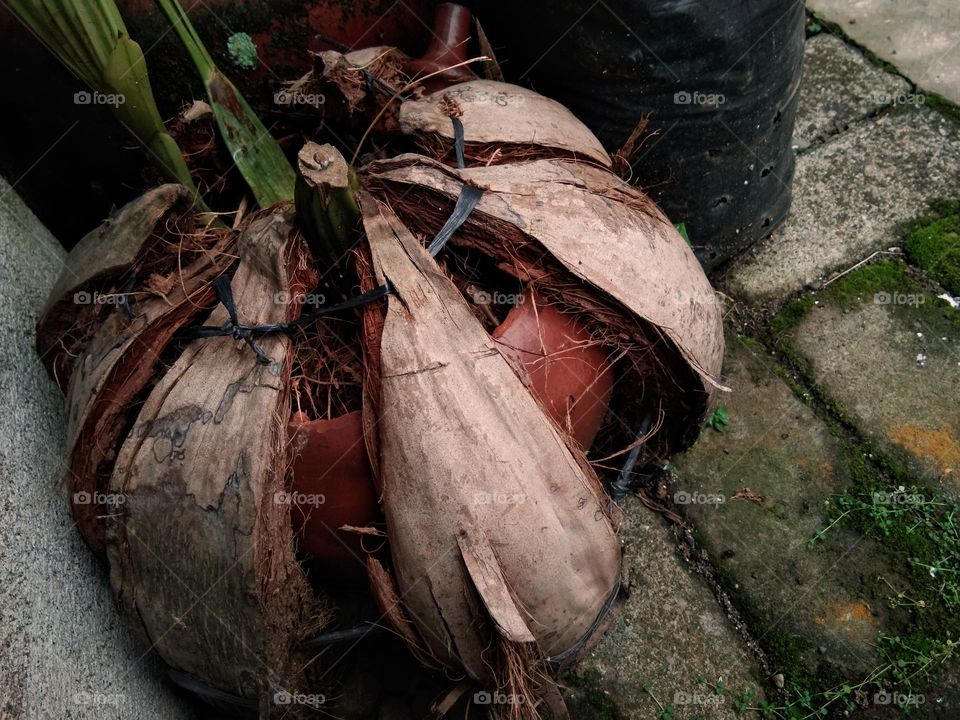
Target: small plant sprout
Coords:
[(719, 419)]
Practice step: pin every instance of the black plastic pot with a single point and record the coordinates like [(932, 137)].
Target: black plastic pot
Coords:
[(718, 80)]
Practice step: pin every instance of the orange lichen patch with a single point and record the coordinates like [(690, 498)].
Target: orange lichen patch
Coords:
[(856, 617), (929, 444)]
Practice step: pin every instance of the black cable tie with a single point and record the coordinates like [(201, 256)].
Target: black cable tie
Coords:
[(578, 646), (123, 294), (620, 487), (362, 299), (224, 293), (371, 79), (247, 333), (458, 142), (211, 694), (466, 202), (358, 632)]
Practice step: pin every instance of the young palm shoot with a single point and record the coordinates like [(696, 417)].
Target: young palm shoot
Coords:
[(257, 155), (90, 38)]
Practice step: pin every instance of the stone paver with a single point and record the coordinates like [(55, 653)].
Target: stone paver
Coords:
[(850, 197), (896, 370), (63, 650), (840, 87), (824, 603), (671, 634), (922, 38)]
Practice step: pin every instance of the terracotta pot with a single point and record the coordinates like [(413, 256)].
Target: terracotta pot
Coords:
[(451, 35), (331, 488), (569, 374)]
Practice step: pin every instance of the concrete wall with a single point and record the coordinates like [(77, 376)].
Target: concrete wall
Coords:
[(63, 650)]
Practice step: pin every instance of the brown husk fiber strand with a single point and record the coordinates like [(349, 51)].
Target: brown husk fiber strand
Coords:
[(202, 554), (592, 243), (468, 464)]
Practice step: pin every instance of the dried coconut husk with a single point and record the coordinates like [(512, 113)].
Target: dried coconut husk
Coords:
[(118, 354), (468, 465), (502, 123), (201, 551), (95, 264), (591, 244), (355, 85)]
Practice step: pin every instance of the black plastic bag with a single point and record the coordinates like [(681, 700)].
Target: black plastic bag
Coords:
[(719, 81)]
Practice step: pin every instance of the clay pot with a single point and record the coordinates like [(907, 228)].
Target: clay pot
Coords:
[(331, 488), (569, 374), (451, 33)]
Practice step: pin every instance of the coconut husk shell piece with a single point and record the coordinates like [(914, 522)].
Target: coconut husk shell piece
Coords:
[(593, 245), (502, 123), (83, 293), (108, 357), (469, 463), (356, 84), (201, 551)]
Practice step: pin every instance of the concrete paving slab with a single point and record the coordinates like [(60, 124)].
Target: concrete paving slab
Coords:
[(850, 197), (921, 38), (840, 87), (757, 494), (63, 650), (895, 368), (670, 644)]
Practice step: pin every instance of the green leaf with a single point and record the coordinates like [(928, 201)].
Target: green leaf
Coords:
[(682, 229), (89, 36), (719, 419), (256, 153), (125, 74), (188, 36)]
